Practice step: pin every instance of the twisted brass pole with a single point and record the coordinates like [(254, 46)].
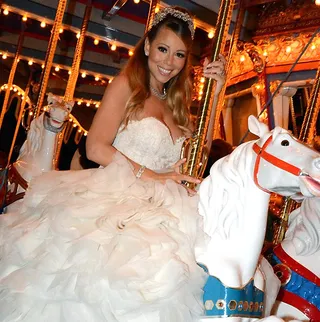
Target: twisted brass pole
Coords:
[(50, 55), (233, 49), (195, 165), (72, 81), (293, 118), (12, 74), (308, 129), (151, 14), (22, 107)]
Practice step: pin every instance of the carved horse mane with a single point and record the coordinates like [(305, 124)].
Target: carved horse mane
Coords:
[(33, 141), (304, 227), (230, 171)]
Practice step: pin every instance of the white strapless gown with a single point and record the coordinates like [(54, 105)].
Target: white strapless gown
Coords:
[(100, 245)]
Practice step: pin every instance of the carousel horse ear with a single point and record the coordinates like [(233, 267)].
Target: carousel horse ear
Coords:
[(256, 127), (277, 130), (50, 98), (69, 105)]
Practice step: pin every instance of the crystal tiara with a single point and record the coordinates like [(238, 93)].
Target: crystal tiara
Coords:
[(162, 14)]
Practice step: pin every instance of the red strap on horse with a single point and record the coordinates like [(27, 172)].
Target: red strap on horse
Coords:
[(262, 153)]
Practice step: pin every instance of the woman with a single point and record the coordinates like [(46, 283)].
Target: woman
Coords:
[(117, 243)]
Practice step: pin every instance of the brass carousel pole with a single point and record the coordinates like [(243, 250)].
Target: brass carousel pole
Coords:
[(152, 12), (50, 55), (307, 135), (233, 49), (72, 81), (195, 165), (308, 129), (23, 104), (12, 73)]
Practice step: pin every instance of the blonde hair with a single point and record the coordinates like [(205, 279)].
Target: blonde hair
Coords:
[(179, 88)]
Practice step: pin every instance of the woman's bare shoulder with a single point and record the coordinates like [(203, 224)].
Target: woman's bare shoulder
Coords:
[(121, 82)]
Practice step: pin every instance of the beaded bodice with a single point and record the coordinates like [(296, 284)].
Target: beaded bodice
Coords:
[(149, 143)]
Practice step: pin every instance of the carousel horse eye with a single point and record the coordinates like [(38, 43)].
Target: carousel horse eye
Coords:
[(285, 143)]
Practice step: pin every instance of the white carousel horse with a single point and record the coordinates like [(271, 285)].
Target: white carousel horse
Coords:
[(37, 153), (234, 202), (297, 264)]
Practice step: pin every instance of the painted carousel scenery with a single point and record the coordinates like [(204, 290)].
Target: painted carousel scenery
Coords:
[(159, 160)]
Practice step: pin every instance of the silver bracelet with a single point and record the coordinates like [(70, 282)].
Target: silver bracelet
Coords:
[(140, 172)]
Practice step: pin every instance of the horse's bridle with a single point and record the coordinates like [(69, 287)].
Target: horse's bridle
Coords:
[(262, 153)]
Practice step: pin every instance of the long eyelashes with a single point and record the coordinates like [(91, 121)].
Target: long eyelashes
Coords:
[(164, 50)]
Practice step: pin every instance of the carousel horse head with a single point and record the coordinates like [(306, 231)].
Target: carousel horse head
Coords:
[(276, 162), (52, 120), (57, 113), (280, 154), (234, 204)]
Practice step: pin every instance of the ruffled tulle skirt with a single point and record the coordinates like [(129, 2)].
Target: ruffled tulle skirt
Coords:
[(100, 245)]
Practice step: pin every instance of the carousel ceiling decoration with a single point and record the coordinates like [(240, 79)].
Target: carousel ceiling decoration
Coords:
[(280, 18), (278, 52)]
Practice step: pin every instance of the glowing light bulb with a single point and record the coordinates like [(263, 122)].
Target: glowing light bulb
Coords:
[(79, 103), (5, 12), (30, 113), (202, 80), (24, 18), (113, 47), (317, 2), (242, 58), (97, 78), (78, 35), (61, 30), (288, 49), (313, 47), (96, 41), (110, 80), (14, 89), (130, 52), (156, 10), (136, 1), (79, 131), (85, 133), (88, 104), (69, 72), (57, 68), (97, 105), (4, 56), (43, 24), (42, 66), (74, 125), (211, 34), (30, 62), (83, 75)]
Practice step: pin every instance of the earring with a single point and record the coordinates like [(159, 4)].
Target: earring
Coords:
[(146, 53)]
